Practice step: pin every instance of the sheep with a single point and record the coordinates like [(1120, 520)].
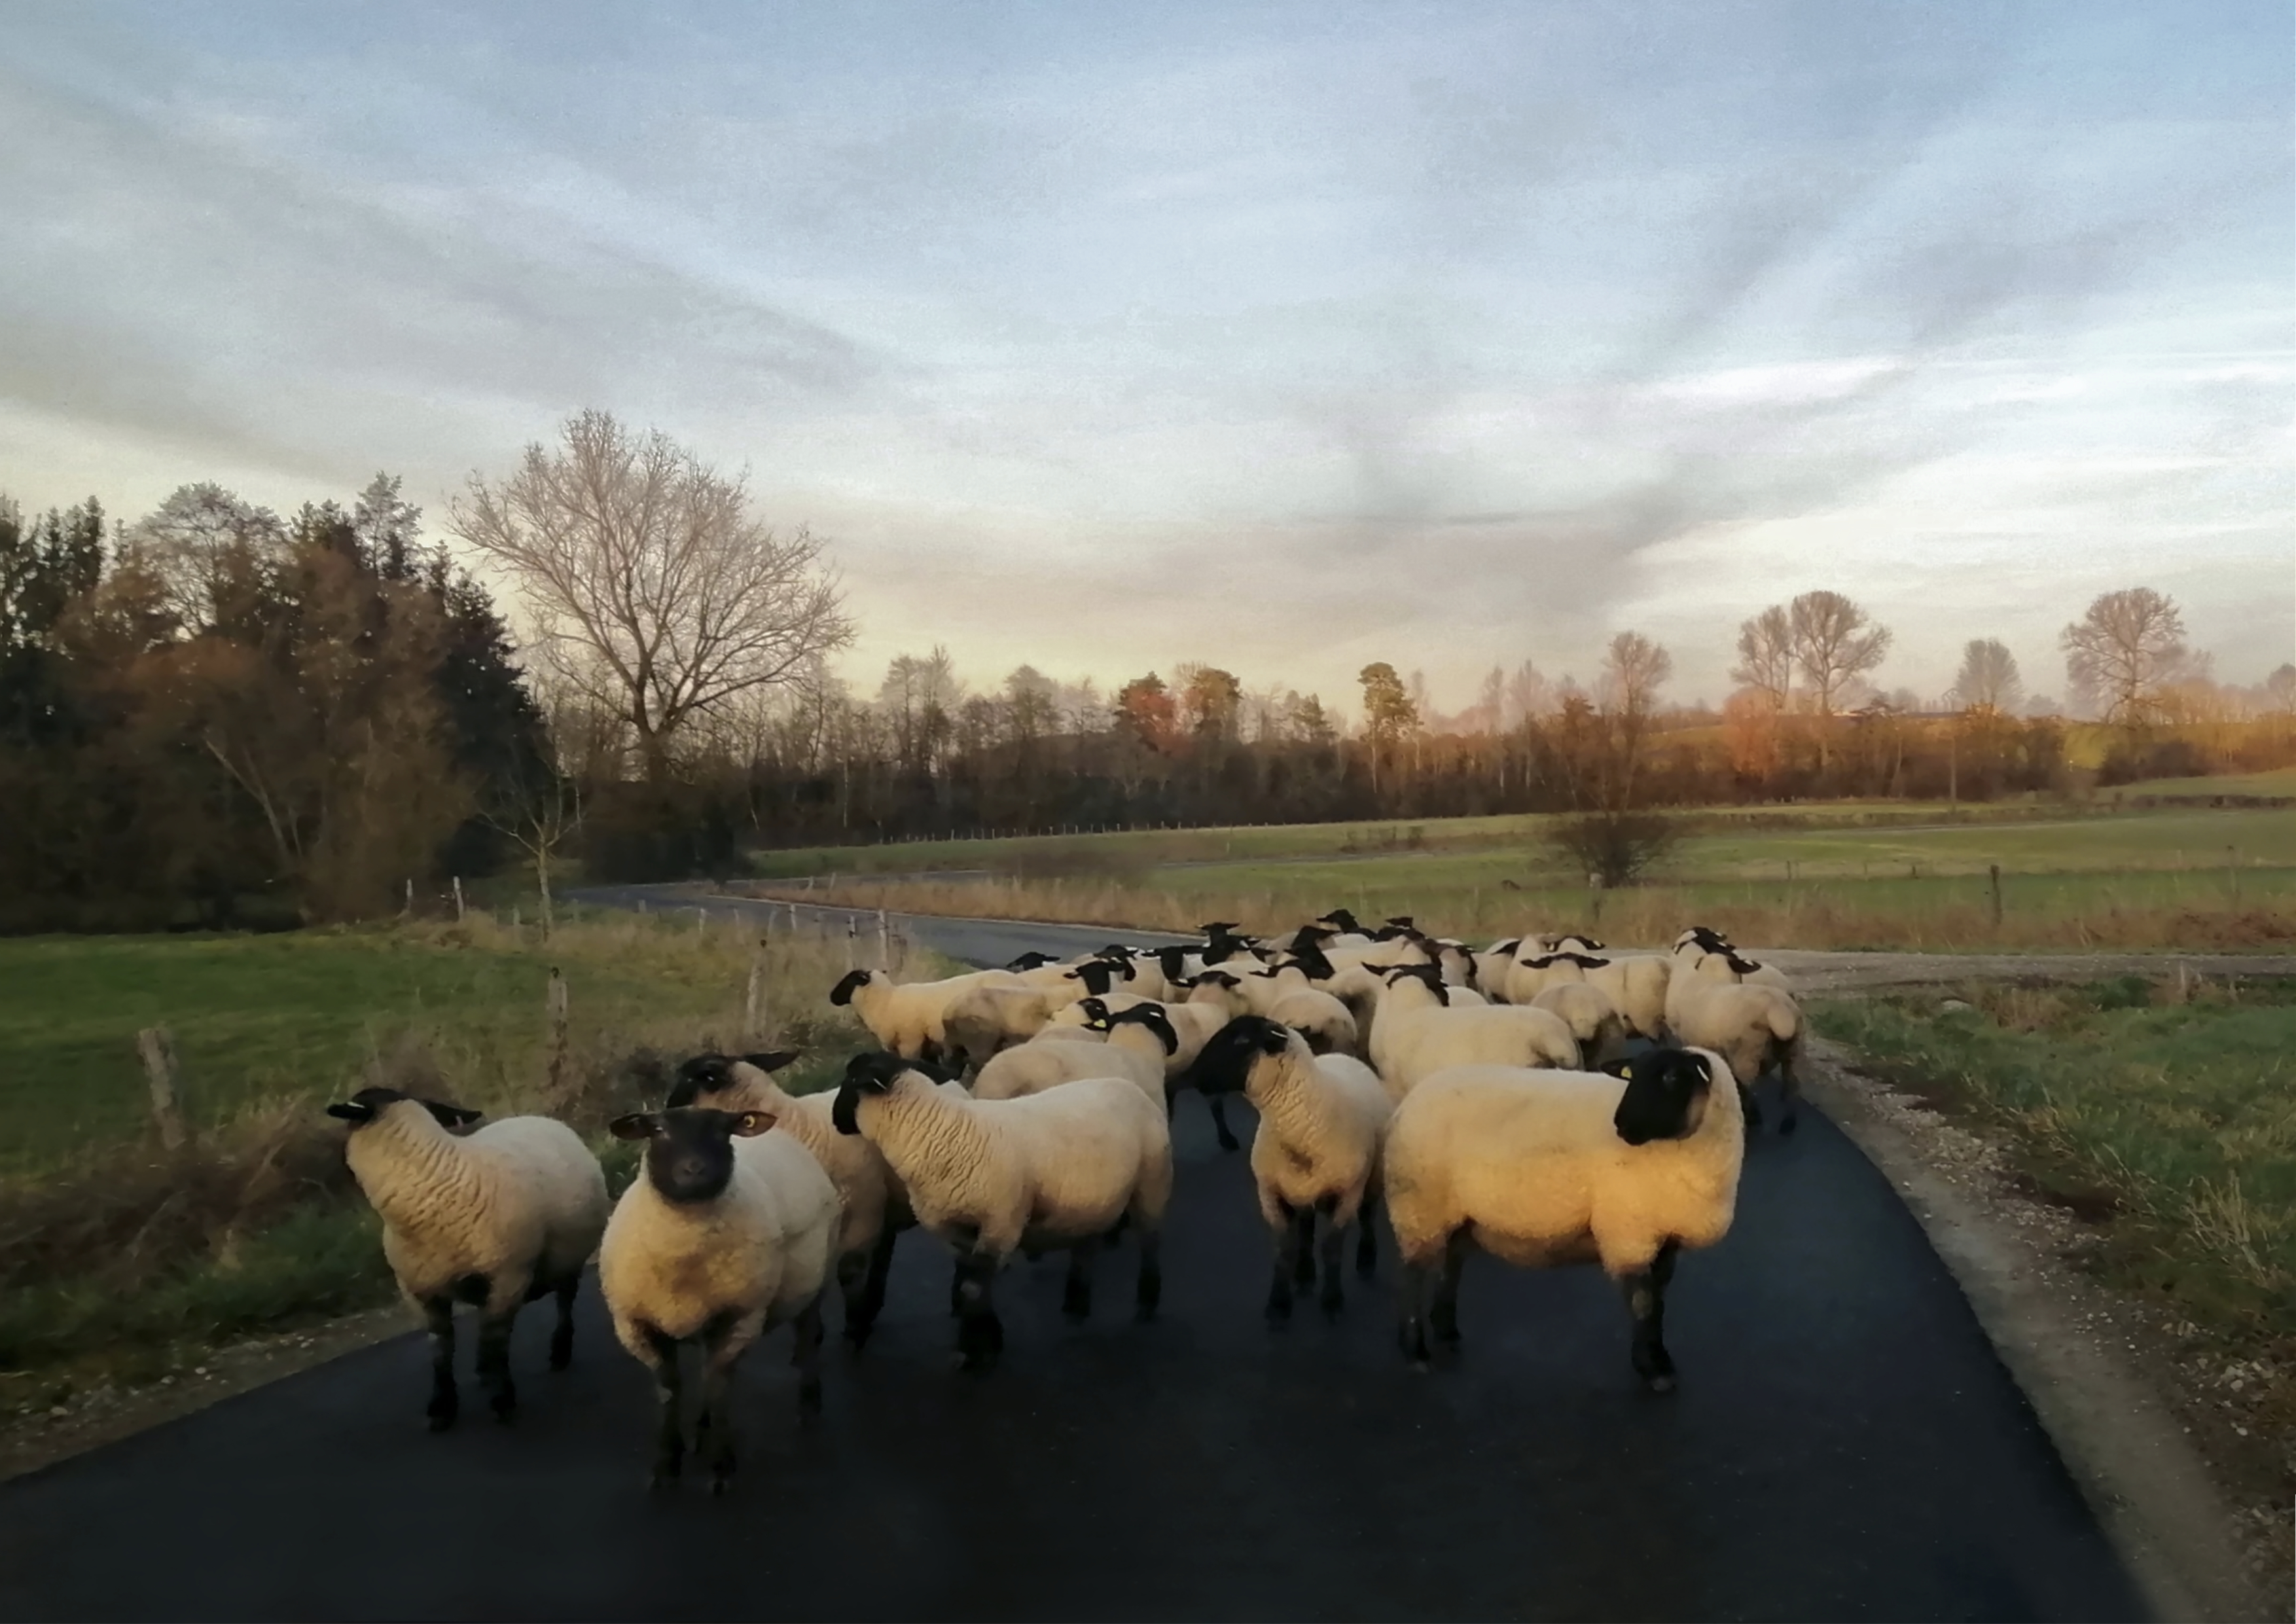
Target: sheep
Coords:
[(494, 1219), (1416, 1034), (1716, 956), (1074, 1022), (1541, 1168), (1635, 985), (1063, 1167), (1194, 1024), (728, 1233), (982, 1021), (1752, 1026), (1593, 1020), (1491, 967), (869, 1198), (1137, 1047), (1144, 966), (1326, 1024), (1321, 1121), (908, 1018)]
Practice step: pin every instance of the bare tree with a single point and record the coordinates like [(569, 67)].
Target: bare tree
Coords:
[(1988, 679), (2124, 651), (540, 816), (1634, 669), (652, 585), (1765, 657), (1835, 642)]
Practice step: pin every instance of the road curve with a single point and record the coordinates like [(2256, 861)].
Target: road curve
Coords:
[(1845, 1445)]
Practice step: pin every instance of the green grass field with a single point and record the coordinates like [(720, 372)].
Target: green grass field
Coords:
[(2170, 1126), (2182, 879), (2278, 781)]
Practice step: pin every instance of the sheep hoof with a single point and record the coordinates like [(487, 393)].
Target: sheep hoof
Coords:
[(1229, 1141), (442, 1421), (1662, 1383), (857, 1336), (1279, 1310), (1788, 1126), (505, 1405), (720, 1481), (1332, 1302)]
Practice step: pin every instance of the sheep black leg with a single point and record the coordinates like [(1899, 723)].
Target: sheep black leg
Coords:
[(439, 1320), (1366, 1237), (807, 1359), (724, 1343), (1417, 1289), (1303, 1247), (1227, 1140), (857, 1327), (494, 1364), (1285, 1234), (1788, 1091), (1645, 1293), (1752, 1106), (979, 1335), (561, 1335), (1151, 1291), (668, 1390), (1335, 1240), (1075, 1293), (1443, 1315)]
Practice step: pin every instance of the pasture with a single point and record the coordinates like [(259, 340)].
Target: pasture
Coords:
[(113, 1249), (1859, 877)]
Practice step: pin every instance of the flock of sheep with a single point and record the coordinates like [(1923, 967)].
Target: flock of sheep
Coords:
[(1541, 1099)]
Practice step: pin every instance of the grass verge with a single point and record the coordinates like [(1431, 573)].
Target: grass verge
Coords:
[(2160, 1114), (118, 1258)]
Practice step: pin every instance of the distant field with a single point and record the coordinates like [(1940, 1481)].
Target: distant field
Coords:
[(2279, 781), (1364, 837), (2199, 879)]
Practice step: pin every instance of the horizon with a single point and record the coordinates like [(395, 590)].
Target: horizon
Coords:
[(1480, 331)]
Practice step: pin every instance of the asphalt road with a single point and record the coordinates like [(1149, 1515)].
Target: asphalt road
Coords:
[(1845, 1445)]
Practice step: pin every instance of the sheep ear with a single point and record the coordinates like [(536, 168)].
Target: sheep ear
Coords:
[(351, 1110), (638, 1124), (841, 1114), (750, 1124), (451, 1116), (772, 1062), (1618, 1068)]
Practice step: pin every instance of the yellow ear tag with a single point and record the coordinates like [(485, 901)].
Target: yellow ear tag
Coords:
[(1627, 1073)]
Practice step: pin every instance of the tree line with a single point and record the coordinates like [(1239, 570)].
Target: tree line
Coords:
[(216, 713)]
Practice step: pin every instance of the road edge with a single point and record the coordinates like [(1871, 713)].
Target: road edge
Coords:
[(2151, 1490)]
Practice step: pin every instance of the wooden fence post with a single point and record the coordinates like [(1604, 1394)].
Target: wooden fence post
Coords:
[(1994, 871), (408, 911), (884, 943), (557, 1008), (458, 899), (753, 1003), (2232, 872), (852, 941), (516, 923), (158, 1047)]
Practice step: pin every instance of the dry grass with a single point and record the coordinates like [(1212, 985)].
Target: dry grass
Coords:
[(1844, 915)]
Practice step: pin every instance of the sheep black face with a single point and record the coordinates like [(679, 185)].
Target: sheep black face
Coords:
[(1309, 957), (1665, 1097), (1707, 937), (842, 993), (1156, 1020), (706, 1074), (1099, 975), (1031, 960), (368, 1104), (689, 1155), (1427, 974), (1340, 919), (1173, 962), (1095, 1014), (869, 1073), (1587, 944), (1225, 1063)]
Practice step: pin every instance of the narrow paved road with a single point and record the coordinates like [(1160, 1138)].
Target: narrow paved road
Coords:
[(1845, 1446)]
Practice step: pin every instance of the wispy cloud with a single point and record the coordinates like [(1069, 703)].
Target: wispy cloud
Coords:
[(1285, 336)]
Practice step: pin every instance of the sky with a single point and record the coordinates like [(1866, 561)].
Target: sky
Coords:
[(1284, 338)]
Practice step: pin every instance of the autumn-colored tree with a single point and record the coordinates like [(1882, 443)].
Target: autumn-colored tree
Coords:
[(1210, 702), (1145, 710), (1988, 680), (1835, 642), (1389, 714)]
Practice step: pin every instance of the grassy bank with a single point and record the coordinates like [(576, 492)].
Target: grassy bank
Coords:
[(117, 1255), (2162, 1116)]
